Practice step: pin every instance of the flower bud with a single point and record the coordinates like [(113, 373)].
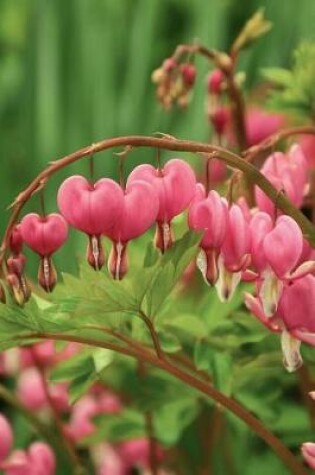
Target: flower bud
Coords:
[(215, 81), (16, 240), (188, 71)]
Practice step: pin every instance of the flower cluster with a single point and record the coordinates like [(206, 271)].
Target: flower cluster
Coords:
[(174, 82), (238, 243)]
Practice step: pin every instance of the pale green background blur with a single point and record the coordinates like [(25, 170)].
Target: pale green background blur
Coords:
[(75, 71)]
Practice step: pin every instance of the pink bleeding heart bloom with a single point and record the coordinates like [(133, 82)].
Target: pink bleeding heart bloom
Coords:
[(175, 187), (261, 124), (42, 459), (39, 459), (6, 437), (91, 208), (308, 452), (139, 212), (260, 225), (44, 234), (209, 214), (307, 143), (16, 240), (287, 172), (293, 317), (31, 391), (136, 452), (235, 253), (281, 252), (81, 424)]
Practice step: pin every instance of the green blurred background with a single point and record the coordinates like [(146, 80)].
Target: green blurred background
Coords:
[(73, 72)]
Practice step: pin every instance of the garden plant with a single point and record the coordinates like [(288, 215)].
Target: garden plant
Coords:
[(194, 301)]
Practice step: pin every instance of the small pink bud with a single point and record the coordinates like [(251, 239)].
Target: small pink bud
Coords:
[(220, 118), (16, 264), (215, 81), (16, 240), (19, 288), (6, 437), (169, 64), (188, 71), (44, 234), (17, 464)]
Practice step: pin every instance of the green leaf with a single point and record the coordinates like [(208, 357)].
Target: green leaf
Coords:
[(253, 29), (222, 372), (167, 271), (279, 76), (169, 343), (202, 355), (128, 424), (187, 324)]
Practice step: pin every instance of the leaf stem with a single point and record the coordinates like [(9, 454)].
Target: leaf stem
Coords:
[(204, 387)]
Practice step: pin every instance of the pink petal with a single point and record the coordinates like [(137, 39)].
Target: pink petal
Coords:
[(283, 246), (6, 437)]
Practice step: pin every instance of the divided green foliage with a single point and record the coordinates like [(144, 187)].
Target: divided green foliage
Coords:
[(295, 91)]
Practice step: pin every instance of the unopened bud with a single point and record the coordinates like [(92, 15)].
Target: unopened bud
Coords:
[(16, 289), (95, 252), (189, 72), (164, 236), (47, 275), (220, 119), (16, 240), (215, 82), (16, 264), (118, 260), (169, 64)]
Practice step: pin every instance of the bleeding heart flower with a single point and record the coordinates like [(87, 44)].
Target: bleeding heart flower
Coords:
[(6, 437), (235, 253), (175, 187), (45, 235), (209, 214), (308, 452), (288, 173), (42, 459), (139, 211), (91, 208)]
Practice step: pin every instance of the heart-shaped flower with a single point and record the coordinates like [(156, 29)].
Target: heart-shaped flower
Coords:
[(45, 235), (139, 211), (175, 187), (91, 208)]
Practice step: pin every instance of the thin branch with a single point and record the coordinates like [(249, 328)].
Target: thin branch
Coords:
[(191, 380), (154, 335), (267, 144)]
